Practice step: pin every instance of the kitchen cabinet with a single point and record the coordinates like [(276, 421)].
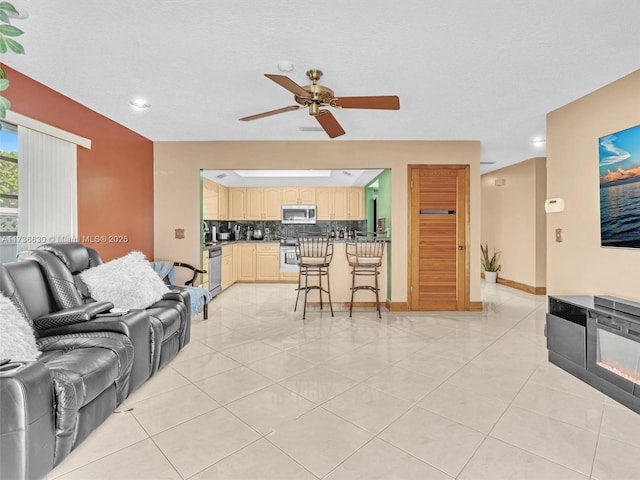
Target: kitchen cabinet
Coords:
[(227, 266), (205, 267), (236, 261), (332, 203), (302, 195), (215, 201), (268, 262), (246, 262), (223, 202), (237, 204), (209, 199), (355, 201), (263, 203)]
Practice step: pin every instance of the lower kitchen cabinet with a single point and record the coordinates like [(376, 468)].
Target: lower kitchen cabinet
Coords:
[(227, 266), (205, 266), (236, 262), (268, 262), (246, 262)]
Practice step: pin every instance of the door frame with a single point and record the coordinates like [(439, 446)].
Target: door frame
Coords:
[(464, 287)]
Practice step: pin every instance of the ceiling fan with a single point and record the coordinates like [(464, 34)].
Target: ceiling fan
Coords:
[(316, 96)]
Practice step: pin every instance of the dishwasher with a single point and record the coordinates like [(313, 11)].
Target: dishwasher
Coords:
[(215, 271)]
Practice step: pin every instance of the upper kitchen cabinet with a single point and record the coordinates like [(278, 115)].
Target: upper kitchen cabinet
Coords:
[(223, 202), (332, 203), (237, 204), (340, 203), (263, 203), (355, 201), (302, 195), (209, 200), (215, 201)]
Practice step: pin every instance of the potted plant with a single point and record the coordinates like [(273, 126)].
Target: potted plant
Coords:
[(490, 264)]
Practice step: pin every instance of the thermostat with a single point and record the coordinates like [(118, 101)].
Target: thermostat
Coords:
[(554, 205)]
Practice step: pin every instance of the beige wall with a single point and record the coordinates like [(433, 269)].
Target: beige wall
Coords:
[(579, 265), (177, 192), (513, 220)]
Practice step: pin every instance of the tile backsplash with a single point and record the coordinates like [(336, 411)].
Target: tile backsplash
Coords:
[(273, 230)]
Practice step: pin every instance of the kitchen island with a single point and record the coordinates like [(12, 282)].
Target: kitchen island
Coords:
[(259, 261)]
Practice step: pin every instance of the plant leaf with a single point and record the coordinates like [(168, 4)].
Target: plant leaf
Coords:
[(4, 84), (10, 31), (3, 45), (8, 7), (15, 46), (4, 106), (4, 17)]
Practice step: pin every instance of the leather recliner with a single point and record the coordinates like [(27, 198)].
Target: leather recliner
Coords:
[(50, 405), (170, 317)]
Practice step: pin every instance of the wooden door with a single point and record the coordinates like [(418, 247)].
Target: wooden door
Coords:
[(438, 259)]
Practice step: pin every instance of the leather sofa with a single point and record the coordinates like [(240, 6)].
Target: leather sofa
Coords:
[(52, 404), (170, 317), (88, 365)]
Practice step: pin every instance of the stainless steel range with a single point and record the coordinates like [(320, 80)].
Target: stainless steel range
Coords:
[(288, 256)]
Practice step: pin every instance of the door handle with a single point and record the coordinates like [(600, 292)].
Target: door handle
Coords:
[(461, 247)]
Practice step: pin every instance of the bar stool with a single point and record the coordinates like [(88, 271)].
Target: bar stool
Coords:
[(314, 257), (364, 256)]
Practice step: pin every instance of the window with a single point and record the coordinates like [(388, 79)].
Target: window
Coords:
[(8, 191)]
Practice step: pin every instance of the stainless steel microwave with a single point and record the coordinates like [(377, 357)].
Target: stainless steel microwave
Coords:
[(298, 214)]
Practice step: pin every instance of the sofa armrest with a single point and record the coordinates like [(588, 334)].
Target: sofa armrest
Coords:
[(68, 316), (176, 294), (135, 325), (27, 436)]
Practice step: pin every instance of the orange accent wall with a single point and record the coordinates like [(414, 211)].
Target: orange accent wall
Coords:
[(115, 177)]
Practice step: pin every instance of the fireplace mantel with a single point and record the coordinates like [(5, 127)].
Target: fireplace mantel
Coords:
[(574, 324)]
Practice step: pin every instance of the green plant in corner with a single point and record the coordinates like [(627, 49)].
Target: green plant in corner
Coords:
[(489, 263), (7, 34)]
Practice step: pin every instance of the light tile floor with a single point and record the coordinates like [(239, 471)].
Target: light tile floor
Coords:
[(261, 394)]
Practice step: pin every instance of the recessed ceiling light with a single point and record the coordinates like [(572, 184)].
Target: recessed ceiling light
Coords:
[(139, 103), (538, 141), (285, 66)]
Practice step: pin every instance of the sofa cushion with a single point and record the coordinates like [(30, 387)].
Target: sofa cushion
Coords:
[(17, 341), (128, 282), (90, 361)]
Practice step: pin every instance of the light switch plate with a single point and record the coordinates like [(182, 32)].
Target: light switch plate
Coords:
[(558, 235)]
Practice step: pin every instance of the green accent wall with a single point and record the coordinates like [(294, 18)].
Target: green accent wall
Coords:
[(383, 184)]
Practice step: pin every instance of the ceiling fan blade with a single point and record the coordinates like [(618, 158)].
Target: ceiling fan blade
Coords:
[(269, 113), (389, 102), (329, 123), (289, 84)]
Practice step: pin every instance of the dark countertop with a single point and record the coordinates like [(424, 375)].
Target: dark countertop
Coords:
[(221, 243)]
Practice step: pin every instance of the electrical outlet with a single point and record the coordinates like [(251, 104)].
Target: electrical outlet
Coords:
[(558, 235), (180, 233)]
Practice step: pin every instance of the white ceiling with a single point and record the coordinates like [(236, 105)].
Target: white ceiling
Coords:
[(485, 70)]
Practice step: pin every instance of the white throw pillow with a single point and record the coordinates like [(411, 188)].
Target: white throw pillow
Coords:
[(17, 341), (128, 282)]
